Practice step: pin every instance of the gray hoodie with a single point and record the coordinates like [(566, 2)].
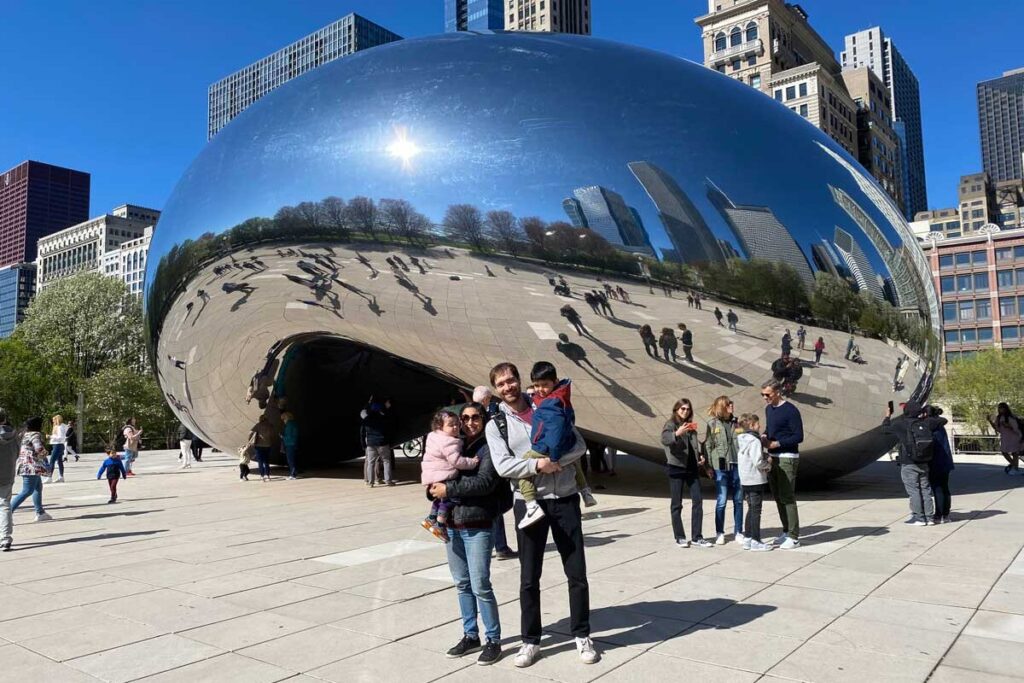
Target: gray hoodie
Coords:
[(9, 448), (512, 464)]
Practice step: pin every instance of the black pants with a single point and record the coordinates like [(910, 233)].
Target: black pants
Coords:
[(940, 490), (677, 485), (670, 351), (577, 323), (243, 471), (562, 517), (755, 498), (652, 349)]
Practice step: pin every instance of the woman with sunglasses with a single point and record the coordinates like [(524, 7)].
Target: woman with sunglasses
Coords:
[(471, 534), (684, 460), (722, 450)]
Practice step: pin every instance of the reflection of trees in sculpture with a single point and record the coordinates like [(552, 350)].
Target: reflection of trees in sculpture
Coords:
[(362, 213), (834, 302), (335, 213), (502, 228), (463, 223), (768, 285), (400, 220)]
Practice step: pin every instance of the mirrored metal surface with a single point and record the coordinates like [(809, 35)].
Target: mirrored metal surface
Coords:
[(396, 222)]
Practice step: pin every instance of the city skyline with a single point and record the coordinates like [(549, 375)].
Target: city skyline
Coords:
[(137, 152)]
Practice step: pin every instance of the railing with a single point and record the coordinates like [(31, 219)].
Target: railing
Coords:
[(976, 444), (741, 50)]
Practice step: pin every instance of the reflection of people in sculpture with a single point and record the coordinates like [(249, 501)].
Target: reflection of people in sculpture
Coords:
[(649, 340), (787, 372), (570, 314), (849, 347), (732, 319), (623, 294), (668, 343)]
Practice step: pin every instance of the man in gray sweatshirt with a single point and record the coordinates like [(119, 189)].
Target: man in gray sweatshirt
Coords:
[(8, 463), (559, 498)]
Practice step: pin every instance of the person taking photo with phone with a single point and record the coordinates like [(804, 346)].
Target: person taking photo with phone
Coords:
[(684, 462)]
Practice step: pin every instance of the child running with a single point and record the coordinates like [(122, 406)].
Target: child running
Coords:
[(753, 466), (442, 459), (114, 469), (552, 433)]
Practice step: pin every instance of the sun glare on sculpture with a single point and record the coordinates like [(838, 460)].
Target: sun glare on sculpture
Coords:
[(403, 148)]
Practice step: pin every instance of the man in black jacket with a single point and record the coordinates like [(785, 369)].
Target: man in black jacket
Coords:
[(913, 468), (376, 431)]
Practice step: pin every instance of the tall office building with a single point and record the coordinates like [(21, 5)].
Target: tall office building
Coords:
[(605, 212), (857, 262), (82, 247), (128, 262), (692, 239), (771, 46), (36, 200), (1001, 123), (574, 210), (872, 49), (17, 287), (230, 96), (878, 146), (555, 16), (761, 234), (474, 15)]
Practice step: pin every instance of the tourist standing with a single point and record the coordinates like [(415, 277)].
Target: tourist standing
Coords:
[(8, 462), (718, 316), (649, 340), (787, 343), (753, 465), (783, 435), (849, 347), (185, 438), (471, 533), (32, 466), (721, 448), (377, 435), (914, 431), (801, 337), (132, 440), (70, 441), (686, 337), (570, 314), (939, 470), (262, 435), (1011, 436), (819, 348), (732, 319), (683, 459), (508, 439), (290, 443), (668, 343), (58, 434)]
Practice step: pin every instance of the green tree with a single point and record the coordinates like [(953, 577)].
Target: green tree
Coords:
[(833, 301), (29, 384), (974, 386), (116, 393)]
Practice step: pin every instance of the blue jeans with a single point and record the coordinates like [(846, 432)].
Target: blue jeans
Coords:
[(289, 452), (262, 453), (57, 457), (129, 458), (469, 559), (32, 485), (727, 485)]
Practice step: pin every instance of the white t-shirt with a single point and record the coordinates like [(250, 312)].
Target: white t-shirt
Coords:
[(59, 434)]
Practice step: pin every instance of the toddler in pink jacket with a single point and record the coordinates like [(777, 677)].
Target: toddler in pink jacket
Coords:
[(442, 459)]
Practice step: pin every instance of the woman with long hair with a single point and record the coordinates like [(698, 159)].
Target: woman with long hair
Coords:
[(58, 435), (1011, 436), (684, 460), (722, 452), (32, 465)]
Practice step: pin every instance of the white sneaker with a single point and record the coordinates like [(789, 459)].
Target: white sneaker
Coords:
[(780, 539), (788, 544), (527, 655), (740, 538), (47, 480), (533, 514), (45, 517), (588, 653), (747, 542), (59, 480), (290, 478), (588, 498), (682, 543), (763, 547), (720, 539), (183, 465)]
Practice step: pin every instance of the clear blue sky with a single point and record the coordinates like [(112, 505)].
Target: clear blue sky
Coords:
[(118, 87)]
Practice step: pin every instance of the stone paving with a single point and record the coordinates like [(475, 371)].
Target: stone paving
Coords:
[(195, 576)]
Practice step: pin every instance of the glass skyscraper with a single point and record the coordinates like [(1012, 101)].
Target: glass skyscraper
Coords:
[(473, 15), (17, 286), (230, 96)]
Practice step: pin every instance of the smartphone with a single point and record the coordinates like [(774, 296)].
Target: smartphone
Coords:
[(890, 407), (721, 464)]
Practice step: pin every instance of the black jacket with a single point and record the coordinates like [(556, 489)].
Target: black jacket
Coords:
[(377, 428), (476, 490), (899, 427)]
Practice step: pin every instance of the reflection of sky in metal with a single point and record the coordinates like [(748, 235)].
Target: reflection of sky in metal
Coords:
[(519, 121)]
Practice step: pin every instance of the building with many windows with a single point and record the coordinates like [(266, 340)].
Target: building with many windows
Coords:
[(37, 200), (770, 46), (474, 15), (878, 147), (231, 95), (82, 247), (982, 203), (17, 287), (605, 212), (555, 16), (872, 49), (128, 262), (980, 279), (1001, 124)]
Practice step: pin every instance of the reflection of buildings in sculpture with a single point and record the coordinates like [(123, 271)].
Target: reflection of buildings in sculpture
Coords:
[(728, 250), (605, 212), (828, 261), (908, 253), (761, 234), (690, 235), (858, 263), (671, 256), (907, 294)]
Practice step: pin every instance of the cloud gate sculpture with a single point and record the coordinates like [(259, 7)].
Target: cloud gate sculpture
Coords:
[(396, 222)]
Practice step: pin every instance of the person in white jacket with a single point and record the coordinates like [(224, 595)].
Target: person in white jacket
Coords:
[(753, 467), (57, 438)]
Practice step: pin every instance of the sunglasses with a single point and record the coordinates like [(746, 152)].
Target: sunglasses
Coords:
[(769, 395), (471, 418)]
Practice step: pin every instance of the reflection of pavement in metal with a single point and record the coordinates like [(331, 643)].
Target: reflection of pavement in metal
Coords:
[(461, 327)]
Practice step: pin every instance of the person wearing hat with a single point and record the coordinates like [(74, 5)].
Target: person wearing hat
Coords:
[(8, 461)]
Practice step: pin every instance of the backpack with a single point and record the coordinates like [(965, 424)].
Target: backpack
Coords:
[(921, 441), (504, 490)]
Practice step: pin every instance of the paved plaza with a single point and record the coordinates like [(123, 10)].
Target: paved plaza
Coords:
[(195, 576)]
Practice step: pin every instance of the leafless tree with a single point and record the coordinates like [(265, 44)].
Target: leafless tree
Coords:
[(534, 229), (309, 215), (503, 228), (288, 218), (463, 222), (335, 215), (396, 215), (362, 215)]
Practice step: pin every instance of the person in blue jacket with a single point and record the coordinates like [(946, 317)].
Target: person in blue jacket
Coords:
[(939, 469), (115, 471), (551, 434), (290, 441)]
